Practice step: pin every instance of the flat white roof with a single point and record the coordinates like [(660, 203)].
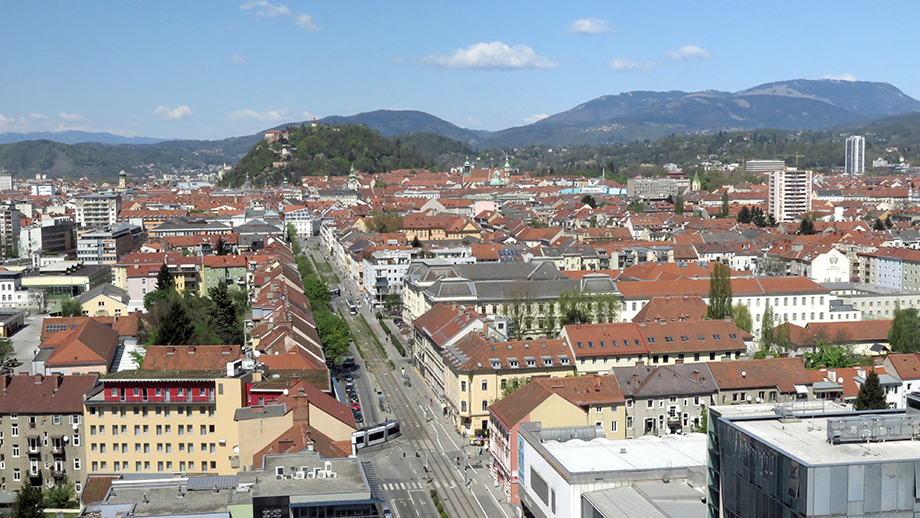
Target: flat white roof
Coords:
[(642, 453), (807, 441)]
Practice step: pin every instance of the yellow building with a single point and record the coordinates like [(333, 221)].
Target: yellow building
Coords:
[(165, 421), (479, 371), (104, 301)]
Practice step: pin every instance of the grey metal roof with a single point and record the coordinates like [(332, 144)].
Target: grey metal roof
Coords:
[(209, 482)]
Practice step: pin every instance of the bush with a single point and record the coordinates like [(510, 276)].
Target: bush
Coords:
[(433, 493), (440, 507), (444, 514)]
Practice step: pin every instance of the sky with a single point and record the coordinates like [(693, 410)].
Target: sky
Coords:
[(216, 69)]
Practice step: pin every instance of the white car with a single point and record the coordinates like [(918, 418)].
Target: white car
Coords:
[(387, 513)]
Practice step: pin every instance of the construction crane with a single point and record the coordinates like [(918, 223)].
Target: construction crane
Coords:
[(796, 158)]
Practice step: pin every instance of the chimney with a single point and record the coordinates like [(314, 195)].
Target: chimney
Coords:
[(58, 381), (38, 379), (301, 404), (696, 375), (679, 361), (636, 380)]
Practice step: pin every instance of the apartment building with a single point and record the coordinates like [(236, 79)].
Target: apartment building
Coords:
[(42, 430), (790, 193), (52, 236), (97, 210), (165, 421), (106, 245), (385, 272), (855, 155), (656, 188)]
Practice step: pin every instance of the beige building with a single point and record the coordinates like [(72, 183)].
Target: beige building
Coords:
[(478, 371), (165, 421), (104, 301)]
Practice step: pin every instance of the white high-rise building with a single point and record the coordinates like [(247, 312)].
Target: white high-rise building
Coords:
[(856, 155), (790, 193)]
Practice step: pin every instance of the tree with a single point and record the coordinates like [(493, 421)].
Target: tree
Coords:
[(317, 291), (636, 206), (703, 427), (71, 308), (806, 228), (61, 496), (7, 352), (393, 303), (384, 222), (744, 215), (416, 242), (742, 317), (720, 293), (165, 280), (292, 239), (679, 205), (176, 326), (514, 384), (221, 247), (830, 356), (878, 225), (871, 394), (904, 335), (224, 317), (723, 210), (589, 201), (766, 329), (29, 502), (334, 334)]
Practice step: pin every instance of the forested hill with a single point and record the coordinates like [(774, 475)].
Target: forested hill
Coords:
[(325, 150)]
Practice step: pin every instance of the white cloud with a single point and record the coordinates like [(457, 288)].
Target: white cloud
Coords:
[(495, 55), (305, 21), (38, 116), (590, 26), (180, 112), (268, 115), (627, 64), (4, 120), (535, 118), (688, 52), (71, 116), (238, 59), (840, 77), (266, 9)]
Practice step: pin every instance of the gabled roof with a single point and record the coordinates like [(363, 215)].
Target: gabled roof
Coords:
[(125, 326), (585, 390), (514, 407), (38, 394), (672, 309), (686, 379), (90, 344), (190, 358), (782, 373), (106, 290)]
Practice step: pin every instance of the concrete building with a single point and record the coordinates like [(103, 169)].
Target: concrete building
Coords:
[(67, 278), (45, 190), (764, 166), (159, 421), (41, 422), (6, 182), (566, 472), (655, 188), (790, 193), (9, 230), (385, 272), (54, 236), (301, 485), (97, 210), (813, 463), (855, 155), (106, 245)]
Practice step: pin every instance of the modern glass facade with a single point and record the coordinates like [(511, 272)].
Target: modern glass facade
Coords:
[(750, 477)]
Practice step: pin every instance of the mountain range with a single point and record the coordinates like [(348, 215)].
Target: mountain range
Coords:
[(628, 117)]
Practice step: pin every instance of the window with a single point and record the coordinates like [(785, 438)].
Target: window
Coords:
[(485, 385), (485, 405), (629, 422), (77, 465), (613, 426), (15, 451), (76, 439), (462, 386), (17, 475), (463, 406), (650, 404), (14, 430)]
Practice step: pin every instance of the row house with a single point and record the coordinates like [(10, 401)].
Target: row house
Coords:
[(894, 268), (42, 432), (600, 347), (792, 299), (479, 370), (554, 402), (434, 331)]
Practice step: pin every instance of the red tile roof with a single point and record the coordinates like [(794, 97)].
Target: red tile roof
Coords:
[(190, 358), (782, 373), (90, 344), (38, 394)]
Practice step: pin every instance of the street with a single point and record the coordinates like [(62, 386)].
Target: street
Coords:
[(26, 341), (455, 469)]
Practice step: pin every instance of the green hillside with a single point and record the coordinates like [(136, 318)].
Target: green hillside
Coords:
[(324, 150)]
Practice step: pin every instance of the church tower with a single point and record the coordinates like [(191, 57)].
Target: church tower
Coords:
[(353, 179), (466, 167), (695, 184)]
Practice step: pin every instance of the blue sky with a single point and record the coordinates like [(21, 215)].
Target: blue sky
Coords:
[(213, 69)]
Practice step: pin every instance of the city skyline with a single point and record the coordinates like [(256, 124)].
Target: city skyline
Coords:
[(213, 70)]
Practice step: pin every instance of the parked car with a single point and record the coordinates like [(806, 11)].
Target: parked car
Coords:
[(387, 513), (355, 405)]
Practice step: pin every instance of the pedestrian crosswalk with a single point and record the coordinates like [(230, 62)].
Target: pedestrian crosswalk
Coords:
[(415, 486), (404, 486)]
